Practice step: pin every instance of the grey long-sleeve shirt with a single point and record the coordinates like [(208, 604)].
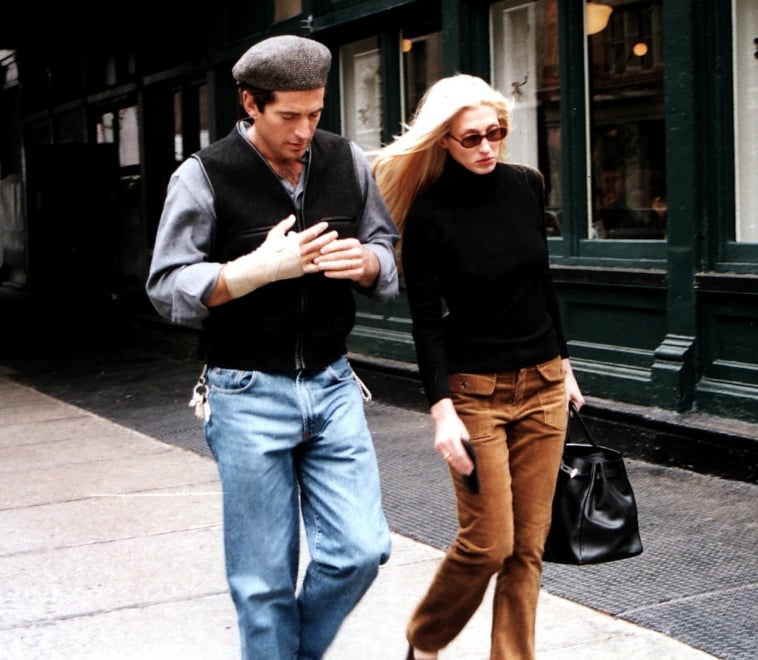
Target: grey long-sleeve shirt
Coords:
[(181, 277)]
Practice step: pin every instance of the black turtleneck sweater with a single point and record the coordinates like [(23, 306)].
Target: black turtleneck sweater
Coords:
[(477, 273)]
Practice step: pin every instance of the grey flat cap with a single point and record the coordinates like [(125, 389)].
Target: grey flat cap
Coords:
[(286, 63)]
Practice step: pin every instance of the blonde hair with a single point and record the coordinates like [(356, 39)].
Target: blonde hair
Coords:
[(414, 160)]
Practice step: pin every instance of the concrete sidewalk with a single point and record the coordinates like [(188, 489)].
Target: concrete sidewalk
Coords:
[(111, 547)]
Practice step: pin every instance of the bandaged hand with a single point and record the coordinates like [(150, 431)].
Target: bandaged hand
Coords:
[(278, 258)]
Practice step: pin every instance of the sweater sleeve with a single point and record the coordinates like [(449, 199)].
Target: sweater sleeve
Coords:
[(553, 308), (421, 268), (537, 185)]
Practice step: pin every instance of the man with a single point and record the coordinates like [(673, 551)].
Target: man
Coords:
[(263, 237), (617, 219)]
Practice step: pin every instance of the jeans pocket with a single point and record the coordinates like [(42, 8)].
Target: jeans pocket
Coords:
[(230, 381), (341, 370)]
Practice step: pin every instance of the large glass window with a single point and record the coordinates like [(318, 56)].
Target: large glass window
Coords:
[(746, 118), (421, 66), (524, 37), (190, 121), (626, 123), (284, 9), (121, 128), (626, 131), (362, 93), (361, 82)]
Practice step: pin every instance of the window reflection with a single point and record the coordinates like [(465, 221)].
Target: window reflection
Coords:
[(525, 70), (360, 68), (128, 143), (746, 118), (121, 128), (627, 131), (190, 121), (422, 66), (284, 9)]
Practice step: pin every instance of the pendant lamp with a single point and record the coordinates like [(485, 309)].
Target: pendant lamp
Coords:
[(597, 17)]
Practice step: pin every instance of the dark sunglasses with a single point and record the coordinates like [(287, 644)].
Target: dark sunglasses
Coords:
[(471, 141)]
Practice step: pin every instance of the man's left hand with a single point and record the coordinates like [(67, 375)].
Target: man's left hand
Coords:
[(347, 259)]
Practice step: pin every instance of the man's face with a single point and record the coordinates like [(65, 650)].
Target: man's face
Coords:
[(610, 181), (285, 128), (611, 186)]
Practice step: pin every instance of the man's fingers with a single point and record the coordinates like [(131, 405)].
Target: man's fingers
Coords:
[(282, 227), (341, 253), (352, 245), (312, 232), (343, 274)]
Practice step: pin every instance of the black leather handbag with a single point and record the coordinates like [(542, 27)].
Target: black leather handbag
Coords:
[(594, 509)]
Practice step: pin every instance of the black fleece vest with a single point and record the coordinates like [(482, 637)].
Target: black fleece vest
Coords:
[(291, 324)]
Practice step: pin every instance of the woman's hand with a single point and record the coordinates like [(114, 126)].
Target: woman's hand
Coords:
[(572, 387), (449, 430)]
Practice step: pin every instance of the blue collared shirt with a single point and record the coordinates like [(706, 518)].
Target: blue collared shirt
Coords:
[(182, 278)]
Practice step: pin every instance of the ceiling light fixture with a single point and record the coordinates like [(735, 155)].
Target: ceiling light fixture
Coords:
[(597, 17), (640, 49)]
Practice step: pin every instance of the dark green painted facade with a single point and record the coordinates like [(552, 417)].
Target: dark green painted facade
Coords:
[(656, 325)]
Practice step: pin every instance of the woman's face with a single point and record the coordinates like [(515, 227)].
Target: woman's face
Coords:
[(481, 158)]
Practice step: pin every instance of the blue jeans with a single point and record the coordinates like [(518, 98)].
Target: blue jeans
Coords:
[(286, 444)]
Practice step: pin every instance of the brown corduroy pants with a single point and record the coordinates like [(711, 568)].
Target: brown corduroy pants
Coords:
[(517, 423)]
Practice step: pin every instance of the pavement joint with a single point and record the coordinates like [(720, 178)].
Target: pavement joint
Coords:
[(106, 528)]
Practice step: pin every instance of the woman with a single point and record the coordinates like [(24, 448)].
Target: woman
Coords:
[(490, 349)]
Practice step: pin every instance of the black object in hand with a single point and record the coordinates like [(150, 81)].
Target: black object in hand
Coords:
[(471, 481)]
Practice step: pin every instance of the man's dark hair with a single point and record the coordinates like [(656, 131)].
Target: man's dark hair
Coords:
[(261, 97)]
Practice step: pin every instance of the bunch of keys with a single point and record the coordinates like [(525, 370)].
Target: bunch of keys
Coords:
[(199, 400)]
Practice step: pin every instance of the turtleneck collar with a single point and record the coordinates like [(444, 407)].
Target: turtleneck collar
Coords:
[(461, 183)]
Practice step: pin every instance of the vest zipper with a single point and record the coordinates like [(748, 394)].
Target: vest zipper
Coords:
[(300, 214)]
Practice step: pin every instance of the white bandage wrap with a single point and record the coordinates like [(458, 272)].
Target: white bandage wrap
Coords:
[(274, 260)]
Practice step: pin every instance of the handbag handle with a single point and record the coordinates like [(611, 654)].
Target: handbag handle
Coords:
[(575, 411)]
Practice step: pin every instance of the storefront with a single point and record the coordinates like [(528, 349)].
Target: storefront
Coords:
[(641, 115)]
